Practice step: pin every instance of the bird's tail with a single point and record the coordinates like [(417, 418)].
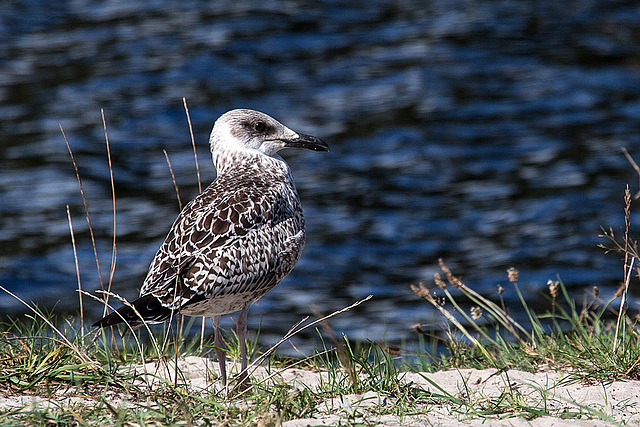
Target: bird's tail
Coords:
[(145, 309)]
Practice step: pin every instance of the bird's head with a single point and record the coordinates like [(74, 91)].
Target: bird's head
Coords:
[(249, 130)]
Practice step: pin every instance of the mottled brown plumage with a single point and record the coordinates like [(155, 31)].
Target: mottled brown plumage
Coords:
[(237, 239)]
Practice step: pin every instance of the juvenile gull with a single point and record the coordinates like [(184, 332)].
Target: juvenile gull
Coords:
[(236, 240)]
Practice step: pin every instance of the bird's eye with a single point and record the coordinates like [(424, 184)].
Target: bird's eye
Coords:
[(259, 126)]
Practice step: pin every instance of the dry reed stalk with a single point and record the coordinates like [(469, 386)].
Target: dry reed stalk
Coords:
[(193, 144), (87, 216), (179, 331), (112, 269), (75, 257), (628, 268), (627, 226), (622, 310), (179, 327), (195, 156), (634, 165), (173, 178), (180, 321)]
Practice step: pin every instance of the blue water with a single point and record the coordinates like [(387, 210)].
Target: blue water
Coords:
[(488, 133)]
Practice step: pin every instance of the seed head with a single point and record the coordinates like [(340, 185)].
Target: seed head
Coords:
[(554, 288), (421, 290), (439, 282)]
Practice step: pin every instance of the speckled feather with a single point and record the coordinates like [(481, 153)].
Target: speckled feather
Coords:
[(240, 237)]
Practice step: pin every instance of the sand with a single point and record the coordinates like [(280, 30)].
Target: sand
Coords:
[(571, 403)]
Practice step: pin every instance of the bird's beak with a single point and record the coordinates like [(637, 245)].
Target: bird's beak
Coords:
[(306, 141)]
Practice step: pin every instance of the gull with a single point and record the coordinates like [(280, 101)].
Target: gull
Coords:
[(236, 240)]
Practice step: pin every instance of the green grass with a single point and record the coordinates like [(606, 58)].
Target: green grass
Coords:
[(34, 362), (580, 342), (58, 362), (39, 359)]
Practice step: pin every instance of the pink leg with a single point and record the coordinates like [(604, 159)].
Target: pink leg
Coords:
[(241, 330), (220, 352)]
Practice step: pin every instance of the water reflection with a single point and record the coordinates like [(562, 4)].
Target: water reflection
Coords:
[(485, 133)]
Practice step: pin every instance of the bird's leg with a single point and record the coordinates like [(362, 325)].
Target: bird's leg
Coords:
[(219, 346), (241, 330)]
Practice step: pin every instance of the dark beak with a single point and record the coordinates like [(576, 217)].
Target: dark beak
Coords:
[(307, 141)]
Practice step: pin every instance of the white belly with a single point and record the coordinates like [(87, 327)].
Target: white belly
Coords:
[(222, 304)]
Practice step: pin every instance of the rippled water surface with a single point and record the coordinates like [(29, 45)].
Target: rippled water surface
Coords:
[(487, 133)]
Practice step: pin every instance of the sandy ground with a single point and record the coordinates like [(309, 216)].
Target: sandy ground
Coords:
[(618, 402)]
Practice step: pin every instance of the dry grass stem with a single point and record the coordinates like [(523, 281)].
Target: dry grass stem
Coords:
[(112, 269), (628, 268), (195, 157), (634, 165), (173, 178), (75, 258), (193, 144), (627, 226), (86, 210), (622, 310)]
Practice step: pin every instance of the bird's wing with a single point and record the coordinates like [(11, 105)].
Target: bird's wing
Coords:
[(225, 241)]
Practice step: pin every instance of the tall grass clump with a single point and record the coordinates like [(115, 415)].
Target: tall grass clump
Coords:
[(600, 341)]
